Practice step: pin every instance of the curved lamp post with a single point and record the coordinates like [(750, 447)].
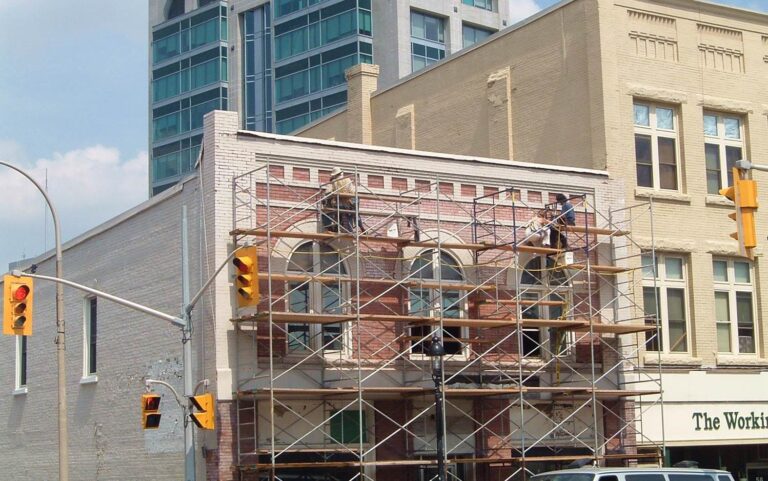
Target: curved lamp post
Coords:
[(60, 346)]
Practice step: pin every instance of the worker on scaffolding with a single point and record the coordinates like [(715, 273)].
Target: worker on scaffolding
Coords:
[(340, 198), (537, 230), (567, 216)]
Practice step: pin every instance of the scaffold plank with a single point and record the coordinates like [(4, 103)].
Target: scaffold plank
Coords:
[(422, 284), (581, 229), (600, 269)]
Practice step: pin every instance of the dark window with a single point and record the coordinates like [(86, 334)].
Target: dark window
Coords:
[(175, 9), (646, 477), (92, 334), (690, 477), (345, 426), (23, 362)]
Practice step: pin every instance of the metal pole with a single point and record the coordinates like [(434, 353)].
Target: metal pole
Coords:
[(186, 338), (61, 360), (118, 300), (436, 352)]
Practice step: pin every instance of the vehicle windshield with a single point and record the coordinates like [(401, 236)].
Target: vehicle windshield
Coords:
[(564, 477)]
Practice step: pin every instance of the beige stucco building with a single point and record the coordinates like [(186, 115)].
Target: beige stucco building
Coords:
[(664, 96)]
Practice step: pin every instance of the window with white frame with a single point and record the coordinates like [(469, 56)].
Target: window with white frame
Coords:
[(723, 146), (90, 331), (437, 298), (665, 301), (656, 146), (427, 40), (315, 297), (734, 307), (21, 362), (541, 300)]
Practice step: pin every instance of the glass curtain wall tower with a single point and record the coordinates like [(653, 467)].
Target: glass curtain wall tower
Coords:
[(281, 63)]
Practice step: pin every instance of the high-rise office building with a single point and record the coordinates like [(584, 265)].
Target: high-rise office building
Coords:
[(281, 63)]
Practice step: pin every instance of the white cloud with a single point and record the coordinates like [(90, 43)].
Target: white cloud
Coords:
[(87, 187), (520, 9)]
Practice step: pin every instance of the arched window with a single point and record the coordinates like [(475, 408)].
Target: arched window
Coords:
[(426, 301), (315, 297)]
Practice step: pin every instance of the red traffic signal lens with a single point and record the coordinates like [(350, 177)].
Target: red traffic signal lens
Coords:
[(21, 292), (152, 403), (241, 266)]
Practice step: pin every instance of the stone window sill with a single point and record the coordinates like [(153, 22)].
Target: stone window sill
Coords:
[(22, 391), (745, 360), (713, 199), (682, 360), (671, 195), (91, 379)]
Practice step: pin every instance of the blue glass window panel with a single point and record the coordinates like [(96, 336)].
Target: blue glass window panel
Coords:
[(710, 125), (665, 118), (204, 33), (292, 86), (166, 126), (732, 128), (198, 111), (339, 26), (165, 48), (418, 49), (166, 166), (642, 115), (205, 73), (365, 26), (418, 63), (472, 35)]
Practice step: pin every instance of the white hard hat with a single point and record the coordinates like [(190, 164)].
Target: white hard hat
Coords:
[(335, 172)]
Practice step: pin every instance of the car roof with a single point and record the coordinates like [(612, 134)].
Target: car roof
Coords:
[(593, 470)]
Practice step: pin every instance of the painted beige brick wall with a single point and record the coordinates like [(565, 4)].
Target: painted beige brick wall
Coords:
[(574, 75)]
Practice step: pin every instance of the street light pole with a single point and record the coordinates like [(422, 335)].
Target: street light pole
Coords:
[(61, 359), (436, 352)]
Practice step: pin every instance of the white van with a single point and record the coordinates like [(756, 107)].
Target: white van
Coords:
[(634, 474)]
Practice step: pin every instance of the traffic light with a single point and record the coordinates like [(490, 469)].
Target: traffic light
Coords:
[(17, 305), (205, 418), (150, 411), (743, 193), (246, 277)]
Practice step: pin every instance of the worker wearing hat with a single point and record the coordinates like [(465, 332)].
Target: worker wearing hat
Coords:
[(340, 193)]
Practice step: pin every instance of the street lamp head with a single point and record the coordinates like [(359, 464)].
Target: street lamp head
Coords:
[(436, 348)]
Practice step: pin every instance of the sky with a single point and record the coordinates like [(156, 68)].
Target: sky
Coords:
[(73, 113)]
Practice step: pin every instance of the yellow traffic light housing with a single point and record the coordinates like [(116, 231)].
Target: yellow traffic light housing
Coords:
[(150, 411), (205, 418), (246, 277), (743, 193), (17, 305)]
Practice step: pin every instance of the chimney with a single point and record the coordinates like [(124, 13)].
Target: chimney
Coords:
[(362, 81)]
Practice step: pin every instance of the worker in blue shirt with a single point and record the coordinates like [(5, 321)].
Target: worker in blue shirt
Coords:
[(567, 217)]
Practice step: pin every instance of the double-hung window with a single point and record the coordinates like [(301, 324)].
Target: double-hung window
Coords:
[(656, 146), (665, 302), (90, 332), (21, 362), (471, 35), (734, 308), (723, 146), (437, 296), (427, 40), (312, 260)]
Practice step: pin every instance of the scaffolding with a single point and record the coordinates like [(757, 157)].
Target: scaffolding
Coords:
[(542, 343)]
